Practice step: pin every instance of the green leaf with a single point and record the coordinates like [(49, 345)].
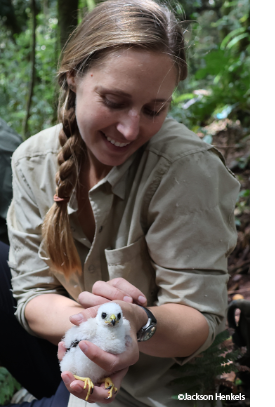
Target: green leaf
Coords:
[(243, 18), (244, 193), (231, 35), (216, 61), (236, 40), (184, 96), (8, 385), (230, 3)]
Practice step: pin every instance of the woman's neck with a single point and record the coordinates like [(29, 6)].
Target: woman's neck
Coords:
[(93, 171)]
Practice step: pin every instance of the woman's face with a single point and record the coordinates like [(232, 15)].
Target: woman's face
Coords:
[(122, 103)]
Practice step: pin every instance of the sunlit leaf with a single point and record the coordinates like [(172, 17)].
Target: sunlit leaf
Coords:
[(230, 36), (183, 97), (236, 40)]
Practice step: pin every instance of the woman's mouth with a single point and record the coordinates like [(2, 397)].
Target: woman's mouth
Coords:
[(114, 142)]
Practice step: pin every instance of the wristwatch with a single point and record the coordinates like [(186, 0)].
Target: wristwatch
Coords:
[(148, 330)]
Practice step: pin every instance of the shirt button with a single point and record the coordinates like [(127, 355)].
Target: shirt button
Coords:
[(90, 268), (100, 229)]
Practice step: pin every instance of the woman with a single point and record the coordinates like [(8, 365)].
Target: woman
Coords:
[(134, 207)]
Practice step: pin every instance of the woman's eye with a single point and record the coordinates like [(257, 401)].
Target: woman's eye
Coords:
[(112, 105), (152, 113)]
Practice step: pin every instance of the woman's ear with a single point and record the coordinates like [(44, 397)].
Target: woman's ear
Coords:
[(71, 81)]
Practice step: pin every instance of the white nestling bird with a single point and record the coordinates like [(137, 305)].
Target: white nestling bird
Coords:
[(110, 331)]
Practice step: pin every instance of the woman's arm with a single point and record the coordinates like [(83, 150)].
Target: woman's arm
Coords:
[(181, 330), (48, 315)]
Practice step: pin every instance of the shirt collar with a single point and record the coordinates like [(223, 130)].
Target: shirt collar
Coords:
[(117, 175), (72, 205), (116, 178)]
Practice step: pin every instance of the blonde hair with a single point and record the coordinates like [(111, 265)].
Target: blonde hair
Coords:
[(111, 26)]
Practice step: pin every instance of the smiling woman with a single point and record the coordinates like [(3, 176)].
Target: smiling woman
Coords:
[(121, 104), (120, 203)]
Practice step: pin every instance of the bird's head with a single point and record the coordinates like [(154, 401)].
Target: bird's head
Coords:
[(109, 314)]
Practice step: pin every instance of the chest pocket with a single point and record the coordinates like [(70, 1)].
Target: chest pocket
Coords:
[(133, 263)]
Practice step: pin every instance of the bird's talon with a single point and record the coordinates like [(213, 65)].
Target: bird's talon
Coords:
[(109, 385), (87, 382)]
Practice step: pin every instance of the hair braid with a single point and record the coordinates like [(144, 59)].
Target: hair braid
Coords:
[(56, 227)]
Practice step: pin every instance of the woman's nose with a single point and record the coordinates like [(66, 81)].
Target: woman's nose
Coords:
[(129, 125)]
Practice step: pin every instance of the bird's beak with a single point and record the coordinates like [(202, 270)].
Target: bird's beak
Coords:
[(113, 319)]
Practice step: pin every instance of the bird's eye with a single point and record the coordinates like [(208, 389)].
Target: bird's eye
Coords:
[(119, 315), (103, 315)]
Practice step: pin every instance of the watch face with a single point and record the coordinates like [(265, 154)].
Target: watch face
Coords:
[(149, 333)]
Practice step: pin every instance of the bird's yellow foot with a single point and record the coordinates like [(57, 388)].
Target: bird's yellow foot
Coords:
[(109, 385), (87, 382)]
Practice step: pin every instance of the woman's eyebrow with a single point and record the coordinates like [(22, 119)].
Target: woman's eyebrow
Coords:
[(119, 92), (114, 91)]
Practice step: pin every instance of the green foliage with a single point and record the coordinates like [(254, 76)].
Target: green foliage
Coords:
[(242, 205), (199, 375), (219, 87), (15, 75), (8, 386), (220, 71)]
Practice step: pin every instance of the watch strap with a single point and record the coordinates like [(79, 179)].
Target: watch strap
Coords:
[(148, 330), (150, 316)]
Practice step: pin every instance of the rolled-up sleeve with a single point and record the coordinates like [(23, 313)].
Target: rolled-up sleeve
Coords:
[(191, 235), (30, 274)]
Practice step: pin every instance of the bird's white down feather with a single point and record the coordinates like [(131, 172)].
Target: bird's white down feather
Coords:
[(110, 338)]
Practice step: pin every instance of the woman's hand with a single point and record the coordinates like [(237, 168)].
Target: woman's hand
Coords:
[(115, 289), (99, 394), (135, 315), (76, 387), (117, 364)]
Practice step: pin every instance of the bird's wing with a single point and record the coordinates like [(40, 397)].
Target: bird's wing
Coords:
[(70, 336), (85, 331), (88, 329), (127, 328)]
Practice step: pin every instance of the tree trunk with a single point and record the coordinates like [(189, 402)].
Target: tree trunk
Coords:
[(25, 125), (10, 21), (67, 19)]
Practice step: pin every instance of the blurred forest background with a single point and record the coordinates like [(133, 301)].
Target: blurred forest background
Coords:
[(213, 101)]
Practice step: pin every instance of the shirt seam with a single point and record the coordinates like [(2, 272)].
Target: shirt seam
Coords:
[(42, 154), (183, 155)]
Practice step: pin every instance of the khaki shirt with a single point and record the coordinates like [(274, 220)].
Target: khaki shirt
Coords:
[(164, 222)]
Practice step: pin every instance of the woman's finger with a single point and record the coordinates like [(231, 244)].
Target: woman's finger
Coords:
[(118, 376), (99, 392), (77, 319), (87, 299), (76, 387), (119, 289), (61, 351), (109, 361)]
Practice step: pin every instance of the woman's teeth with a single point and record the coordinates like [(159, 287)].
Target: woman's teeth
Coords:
[(116, 143)]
